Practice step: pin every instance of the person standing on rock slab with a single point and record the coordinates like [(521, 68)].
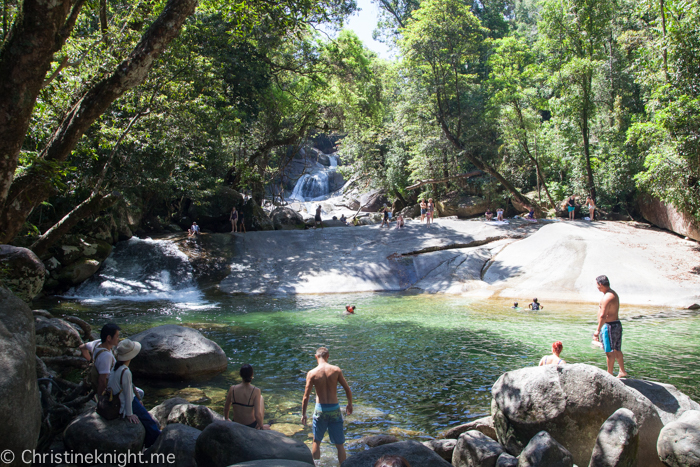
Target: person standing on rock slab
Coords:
[(609, 331), (571, 207), (327, 417), (234, 219), (317, 218)]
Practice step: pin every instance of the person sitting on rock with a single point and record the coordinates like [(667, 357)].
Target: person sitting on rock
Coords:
[(101, 353), (499, 214), (120, 382), (554, 359), (531, 215), (392, 461), (343, 219), (247, 402), (194, 230), (355, 221), (488, 214), (535, 305)]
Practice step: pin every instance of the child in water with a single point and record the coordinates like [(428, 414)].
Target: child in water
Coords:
[(349, 310)]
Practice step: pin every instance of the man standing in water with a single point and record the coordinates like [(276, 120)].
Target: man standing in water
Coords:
[(609, 331), (325, 378)]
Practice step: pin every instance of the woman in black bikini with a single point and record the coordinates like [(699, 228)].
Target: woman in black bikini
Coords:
[(247, 402)]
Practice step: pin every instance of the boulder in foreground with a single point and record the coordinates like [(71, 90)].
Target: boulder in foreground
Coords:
[(544, 451), (570, 402), (273, 463), (177, 352), (475, 448), (617, 441), (414, 452), (20, 417), (178, 441), (22, 271), (669, 402), (90, 432), (679, 441), (225, 443)]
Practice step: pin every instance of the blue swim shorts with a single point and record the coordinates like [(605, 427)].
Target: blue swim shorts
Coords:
[(611, 336), (327, 417), (570, 208)]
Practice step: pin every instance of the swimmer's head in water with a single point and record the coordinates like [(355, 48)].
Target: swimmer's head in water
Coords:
[(557, 347), (350, 308), (246, 373), (322, 352), (515, 304)]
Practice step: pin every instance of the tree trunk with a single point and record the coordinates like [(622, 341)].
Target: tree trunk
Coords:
[(33, 187), (103, 17), (95, 203), (38, 32), (585, 132)]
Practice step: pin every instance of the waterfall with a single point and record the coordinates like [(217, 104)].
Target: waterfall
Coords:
[(142, 270), (315, 186)]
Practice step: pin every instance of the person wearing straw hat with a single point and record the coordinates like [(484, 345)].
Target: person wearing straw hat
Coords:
[(120, 382)]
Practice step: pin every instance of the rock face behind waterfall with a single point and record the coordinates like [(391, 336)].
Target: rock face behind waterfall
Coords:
[(571, 403), (177, 352), (20, 416)]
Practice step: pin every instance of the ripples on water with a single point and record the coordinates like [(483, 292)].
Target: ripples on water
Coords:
[(416, 364)]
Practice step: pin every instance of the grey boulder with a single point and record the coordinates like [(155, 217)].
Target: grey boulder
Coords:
[(21, 271), (669, 402), (544, 451), (475, 449), (443, 447), (572, 402), (618, 438), (161, 411), (285, 218), (484, 425), (377, 440), (55, 332), (89, 433), (176, 352), (20, 417), (196, 416), (176, 442), (679, 441), (225, 443), (506, 460), (414, 452)]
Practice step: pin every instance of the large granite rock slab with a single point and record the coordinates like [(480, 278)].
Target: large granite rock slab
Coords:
[(196, 416), (20, 416), (285, 218), (570, 402), (415, 453), (55, 332), (226, 443), (177, 352), (668, 217)]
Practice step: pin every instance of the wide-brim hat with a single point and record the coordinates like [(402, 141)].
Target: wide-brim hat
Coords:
[(127, 350)]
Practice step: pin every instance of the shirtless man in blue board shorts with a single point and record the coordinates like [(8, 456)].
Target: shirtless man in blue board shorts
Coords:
[(609, 331), (327, 417)]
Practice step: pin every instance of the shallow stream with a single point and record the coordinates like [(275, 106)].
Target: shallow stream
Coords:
[(417, 364)]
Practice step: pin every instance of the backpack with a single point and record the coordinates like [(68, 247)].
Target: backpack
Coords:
[(93, 376), (108, 404)]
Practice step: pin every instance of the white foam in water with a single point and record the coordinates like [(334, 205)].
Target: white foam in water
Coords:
[(315, 186), (143, 270)]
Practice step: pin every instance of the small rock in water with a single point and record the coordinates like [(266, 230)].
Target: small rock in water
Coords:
[(287, 429), (484, 425), (193, 395)]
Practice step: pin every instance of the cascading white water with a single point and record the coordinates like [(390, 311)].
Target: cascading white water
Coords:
[(315, 186), (142, 270)]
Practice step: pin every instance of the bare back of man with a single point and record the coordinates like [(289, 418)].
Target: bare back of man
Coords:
[(609, 330), (324, 379)]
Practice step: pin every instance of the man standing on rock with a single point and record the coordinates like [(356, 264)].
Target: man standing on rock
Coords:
[(609, 331), (325, 378)]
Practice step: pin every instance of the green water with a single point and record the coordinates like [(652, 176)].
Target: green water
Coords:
[(417, 364)]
